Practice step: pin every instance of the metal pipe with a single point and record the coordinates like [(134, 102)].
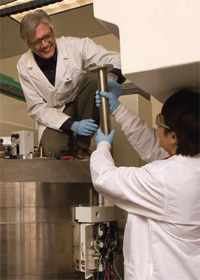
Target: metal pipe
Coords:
[(102, 82)]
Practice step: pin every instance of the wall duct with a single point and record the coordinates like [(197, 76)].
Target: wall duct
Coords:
[(26, 7)]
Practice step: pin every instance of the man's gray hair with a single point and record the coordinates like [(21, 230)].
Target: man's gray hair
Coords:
[(30, 22)]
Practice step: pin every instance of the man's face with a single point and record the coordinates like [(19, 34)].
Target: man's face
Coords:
[(43, 41)]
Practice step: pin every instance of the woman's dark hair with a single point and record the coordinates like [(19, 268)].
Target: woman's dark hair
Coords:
[(181, 113)]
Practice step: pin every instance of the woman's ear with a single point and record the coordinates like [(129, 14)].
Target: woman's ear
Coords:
[(174, 139)]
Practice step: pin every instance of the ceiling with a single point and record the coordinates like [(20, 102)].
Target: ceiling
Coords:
[(3, 2), (79, 22)]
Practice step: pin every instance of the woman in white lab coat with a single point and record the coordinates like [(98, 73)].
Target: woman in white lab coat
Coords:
[(162, 198)]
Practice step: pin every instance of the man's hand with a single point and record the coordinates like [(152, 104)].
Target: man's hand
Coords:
[(85, 127), (102, 137)]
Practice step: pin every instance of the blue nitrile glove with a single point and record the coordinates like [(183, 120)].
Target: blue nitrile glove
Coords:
[(113, 102), (97, 99), (114, 86), (102, 137), (85, 127)]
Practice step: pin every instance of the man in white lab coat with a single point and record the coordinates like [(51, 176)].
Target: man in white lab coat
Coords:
[(162, 198), (60, 94)]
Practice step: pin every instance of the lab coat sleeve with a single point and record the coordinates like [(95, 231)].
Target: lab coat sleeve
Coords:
[(143, 138), (136, 190), (98, 55), (37, 107)]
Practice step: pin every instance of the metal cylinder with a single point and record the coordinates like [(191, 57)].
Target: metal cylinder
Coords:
[(102, 82), (104, 108)]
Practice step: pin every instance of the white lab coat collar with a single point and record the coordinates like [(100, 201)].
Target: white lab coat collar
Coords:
[(30, 60), (35, 71), (62, 64)]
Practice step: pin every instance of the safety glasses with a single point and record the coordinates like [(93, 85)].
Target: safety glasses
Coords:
[(159, 123), (47, 37)]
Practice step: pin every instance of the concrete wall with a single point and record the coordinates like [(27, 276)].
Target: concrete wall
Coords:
[(13, 112)]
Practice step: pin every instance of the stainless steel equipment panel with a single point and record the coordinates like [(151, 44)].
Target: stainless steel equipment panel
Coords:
[(36, 227)]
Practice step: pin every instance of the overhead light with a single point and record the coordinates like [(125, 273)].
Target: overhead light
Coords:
[(50, 9)]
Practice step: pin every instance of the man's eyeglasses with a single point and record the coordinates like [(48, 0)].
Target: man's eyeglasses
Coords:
[(159, 123), (45, 38)]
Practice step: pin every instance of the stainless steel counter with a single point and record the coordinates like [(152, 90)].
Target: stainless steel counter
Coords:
[(44, 170), (36, 216)]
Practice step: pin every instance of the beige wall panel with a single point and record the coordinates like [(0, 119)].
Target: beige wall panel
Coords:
[(14, 117), (109, 41), (9, 67)]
